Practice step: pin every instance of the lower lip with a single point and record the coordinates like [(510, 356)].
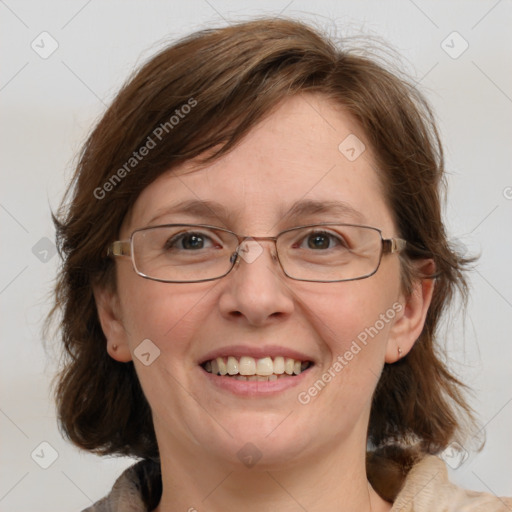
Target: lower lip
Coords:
[(254, 387)]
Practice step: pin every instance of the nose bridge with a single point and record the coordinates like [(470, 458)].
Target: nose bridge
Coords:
[(250, 248), (264, 237), (258, 238)]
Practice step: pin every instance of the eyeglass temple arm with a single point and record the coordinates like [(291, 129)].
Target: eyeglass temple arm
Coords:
[(392, 245), (119, 248)]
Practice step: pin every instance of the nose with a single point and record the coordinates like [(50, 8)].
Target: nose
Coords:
[(255, 290)]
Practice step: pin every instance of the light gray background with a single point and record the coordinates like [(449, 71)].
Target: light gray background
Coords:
[(49, 105)]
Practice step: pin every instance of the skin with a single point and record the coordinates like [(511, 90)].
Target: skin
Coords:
[(314, 454)]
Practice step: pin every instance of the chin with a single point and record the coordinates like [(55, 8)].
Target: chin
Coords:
[(262, 441)]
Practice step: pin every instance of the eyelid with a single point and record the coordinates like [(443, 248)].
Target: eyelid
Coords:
[(190, 230), (340, 240)]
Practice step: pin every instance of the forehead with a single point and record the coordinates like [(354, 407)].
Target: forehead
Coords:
[(296, 165)]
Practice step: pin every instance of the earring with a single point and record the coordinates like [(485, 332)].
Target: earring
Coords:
[(399, 353), (114, 347)]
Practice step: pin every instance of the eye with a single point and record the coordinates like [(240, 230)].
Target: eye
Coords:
[(189, 241), (324, 240)]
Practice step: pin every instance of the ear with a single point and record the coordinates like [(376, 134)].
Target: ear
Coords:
[(107, 304), (410, 321)]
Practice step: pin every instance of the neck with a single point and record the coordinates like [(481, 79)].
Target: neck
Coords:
[(320, 482)]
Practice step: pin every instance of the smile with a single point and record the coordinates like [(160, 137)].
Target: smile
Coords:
[(248, 368)]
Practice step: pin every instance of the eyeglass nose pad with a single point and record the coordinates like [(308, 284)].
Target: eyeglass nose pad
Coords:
[(234, 259)]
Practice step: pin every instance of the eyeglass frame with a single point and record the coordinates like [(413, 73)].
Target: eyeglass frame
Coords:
[(389, 246)]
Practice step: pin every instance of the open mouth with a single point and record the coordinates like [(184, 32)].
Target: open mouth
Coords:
[(250, 369)]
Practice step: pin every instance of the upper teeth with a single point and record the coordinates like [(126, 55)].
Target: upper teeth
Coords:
[(247, 365)]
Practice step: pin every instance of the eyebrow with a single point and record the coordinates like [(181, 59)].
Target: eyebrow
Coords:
[(213, 210), (312, 207), (196, 208)]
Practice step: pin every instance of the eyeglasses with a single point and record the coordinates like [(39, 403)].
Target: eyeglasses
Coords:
[(192, 253)]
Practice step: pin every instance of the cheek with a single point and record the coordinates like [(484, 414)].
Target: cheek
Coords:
[(353, 322), (354, 338), (167, 314)]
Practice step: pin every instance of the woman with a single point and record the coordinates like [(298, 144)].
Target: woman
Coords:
[(255, 266)]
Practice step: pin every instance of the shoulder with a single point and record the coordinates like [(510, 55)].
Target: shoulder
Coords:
[(428, 489), (138, 489)]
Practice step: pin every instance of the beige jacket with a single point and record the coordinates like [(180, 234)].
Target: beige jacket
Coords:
[(426, 489)]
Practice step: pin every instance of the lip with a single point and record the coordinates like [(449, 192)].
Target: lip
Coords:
[(255, 388), (256, 352)]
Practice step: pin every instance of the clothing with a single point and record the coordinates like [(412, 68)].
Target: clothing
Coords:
[(426, 489)]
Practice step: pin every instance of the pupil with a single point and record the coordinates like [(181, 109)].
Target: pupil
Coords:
[(323, 242), (192, 242)]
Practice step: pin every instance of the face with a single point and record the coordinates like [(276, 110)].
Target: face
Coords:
[(345, 330)]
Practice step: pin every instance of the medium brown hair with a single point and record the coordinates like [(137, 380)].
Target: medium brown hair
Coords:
[(232, 78)]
